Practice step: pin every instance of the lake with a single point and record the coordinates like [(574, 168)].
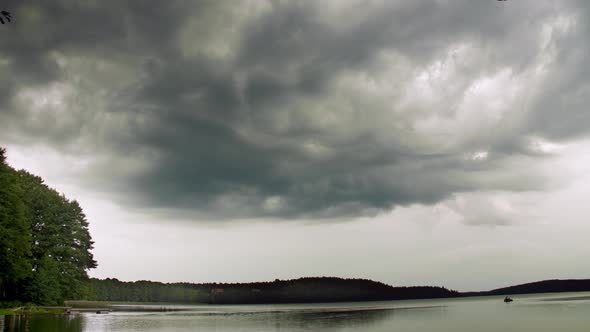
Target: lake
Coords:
[(535, 312)]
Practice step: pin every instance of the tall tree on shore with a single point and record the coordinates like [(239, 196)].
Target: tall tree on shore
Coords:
[(45, 245), (15, 239), (59, 233)]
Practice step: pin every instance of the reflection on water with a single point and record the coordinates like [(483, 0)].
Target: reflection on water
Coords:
[(541, 312), (326, 321), (571, 298), (271, 320), (353, 320), (46, 323)]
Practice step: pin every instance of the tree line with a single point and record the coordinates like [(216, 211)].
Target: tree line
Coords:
[(544, 286), (303, 290), (45, 245)]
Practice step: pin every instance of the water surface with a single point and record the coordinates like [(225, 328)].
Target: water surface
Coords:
[(536, 312)]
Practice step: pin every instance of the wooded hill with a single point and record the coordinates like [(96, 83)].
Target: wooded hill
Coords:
[(321, 289), (545, 286)]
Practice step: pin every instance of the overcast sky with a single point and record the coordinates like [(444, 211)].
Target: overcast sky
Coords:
[(412, 142)]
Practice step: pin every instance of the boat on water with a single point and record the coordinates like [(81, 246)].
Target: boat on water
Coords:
[(507, 299)]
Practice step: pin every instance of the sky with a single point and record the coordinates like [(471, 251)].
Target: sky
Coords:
[(423, 142)]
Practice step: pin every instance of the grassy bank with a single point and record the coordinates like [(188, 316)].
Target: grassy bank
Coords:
[(4, 312), (32, 310)]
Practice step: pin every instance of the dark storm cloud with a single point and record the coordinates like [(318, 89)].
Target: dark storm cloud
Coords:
[(276, 109)]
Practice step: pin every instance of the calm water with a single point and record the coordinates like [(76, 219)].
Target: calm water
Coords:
[(539, 312)]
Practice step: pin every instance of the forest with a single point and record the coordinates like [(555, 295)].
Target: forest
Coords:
[(302, 290), (544, 286), (45, 245)]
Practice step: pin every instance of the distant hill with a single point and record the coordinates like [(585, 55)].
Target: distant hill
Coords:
[(545, 286), (317, 289)]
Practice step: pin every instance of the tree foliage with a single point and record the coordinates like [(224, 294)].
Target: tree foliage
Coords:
[(320, 289), (45, 245), (15, 238)]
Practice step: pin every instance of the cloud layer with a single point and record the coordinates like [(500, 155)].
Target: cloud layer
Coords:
[(298, 109)]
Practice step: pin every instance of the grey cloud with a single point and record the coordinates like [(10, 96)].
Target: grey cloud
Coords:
[(561, 108), (290, 112)]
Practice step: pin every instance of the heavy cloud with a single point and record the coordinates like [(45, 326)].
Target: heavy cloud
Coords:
[(300, 108)]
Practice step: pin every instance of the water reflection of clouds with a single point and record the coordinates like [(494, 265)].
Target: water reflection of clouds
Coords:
[(41, 323), (285, 319), (571, 298), (348, 319), (331, 320)]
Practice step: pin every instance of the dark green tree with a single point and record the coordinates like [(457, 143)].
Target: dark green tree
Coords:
[(15, 239), (59, 230), (45, 245), (45, 286)]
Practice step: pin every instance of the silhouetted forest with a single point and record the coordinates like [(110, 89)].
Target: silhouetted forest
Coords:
[(44, 241), (321, 289), (545, 286)]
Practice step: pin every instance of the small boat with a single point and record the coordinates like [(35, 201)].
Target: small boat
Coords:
[(508, 299)]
